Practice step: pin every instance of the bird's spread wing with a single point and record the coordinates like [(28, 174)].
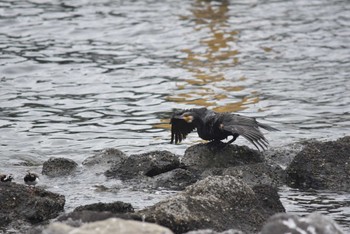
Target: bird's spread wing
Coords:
[(179, 129), (248, 128)]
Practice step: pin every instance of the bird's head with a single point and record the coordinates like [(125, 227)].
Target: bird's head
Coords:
[(187, 116)]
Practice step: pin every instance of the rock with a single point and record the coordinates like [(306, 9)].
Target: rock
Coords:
[(177, 179), (216, 158), (288, 223), (31, 205), (322, 165), (268, 198), (147, 164), (59, 167), (219, 155), (108, 226), (114, 207), (210, 231), (105, 159), (219, 203), (257, 174)]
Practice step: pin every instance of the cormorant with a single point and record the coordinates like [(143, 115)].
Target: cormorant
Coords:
[(215, 126)]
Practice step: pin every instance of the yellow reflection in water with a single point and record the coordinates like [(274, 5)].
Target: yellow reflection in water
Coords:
[(209, 60)]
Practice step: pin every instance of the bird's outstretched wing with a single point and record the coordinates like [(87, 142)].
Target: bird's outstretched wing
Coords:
[(179, 128), (248, 128)]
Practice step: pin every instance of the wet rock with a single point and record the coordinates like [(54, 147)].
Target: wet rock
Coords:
[(147, 164), (219, 155), (288, 223), (284, 155), (59, 167), (268, 198), (31, 205), (108, 226), (210, 231), (177, 179), (105, 159), (322, 165), (114, 207), (219, 203)]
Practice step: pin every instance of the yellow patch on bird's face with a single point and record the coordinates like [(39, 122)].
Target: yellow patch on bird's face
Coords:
[(188, 118)]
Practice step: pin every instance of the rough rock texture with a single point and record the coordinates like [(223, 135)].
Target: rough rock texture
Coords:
[(322, 165), (114, 207), (24, 203), (218, 155), (59, 167), (105, 159), (288, 223), (239, 161), (210, 231), (109, 226), (219, 203), (147, 164), (177, 179)]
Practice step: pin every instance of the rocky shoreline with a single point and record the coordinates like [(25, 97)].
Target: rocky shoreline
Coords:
[(222, 189)]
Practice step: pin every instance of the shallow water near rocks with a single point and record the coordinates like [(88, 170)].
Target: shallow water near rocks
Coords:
[(81, 76)]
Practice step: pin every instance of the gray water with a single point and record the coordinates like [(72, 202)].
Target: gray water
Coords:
[(81, 76)]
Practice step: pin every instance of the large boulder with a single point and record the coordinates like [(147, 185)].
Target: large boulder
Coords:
[(289, 223), (322, 165), (108, 226), (147, 164), (219, 155), (177, 179), (219, 203), (59, 167), (20, 203), (217, 158)]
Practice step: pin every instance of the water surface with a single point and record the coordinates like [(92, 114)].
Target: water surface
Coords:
[(81, 76)]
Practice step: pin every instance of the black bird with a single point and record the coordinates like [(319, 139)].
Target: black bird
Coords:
[(31, 178), (6, 178), (215, 126)]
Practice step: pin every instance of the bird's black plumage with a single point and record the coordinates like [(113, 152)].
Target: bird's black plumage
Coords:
[(211, 125)]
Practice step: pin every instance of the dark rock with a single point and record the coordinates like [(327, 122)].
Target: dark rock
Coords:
[(322, 165), (147, 164), (219, 203), (105, 159), (268, 198), (284, 155), (219, 155), (210, 231), (59, 167), (114, 207), (177, 179), (288, 223), (32, 205)]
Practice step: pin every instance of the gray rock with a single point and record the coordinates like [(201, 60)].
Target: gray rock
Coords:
[(114, 207), (59, 167), (23, 204), (109, 226), (219, 203), (177, 179), (288, 223), (147, 164), (322, 165), (210, 231), (258, 174), (219, 155), (105, 159)]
